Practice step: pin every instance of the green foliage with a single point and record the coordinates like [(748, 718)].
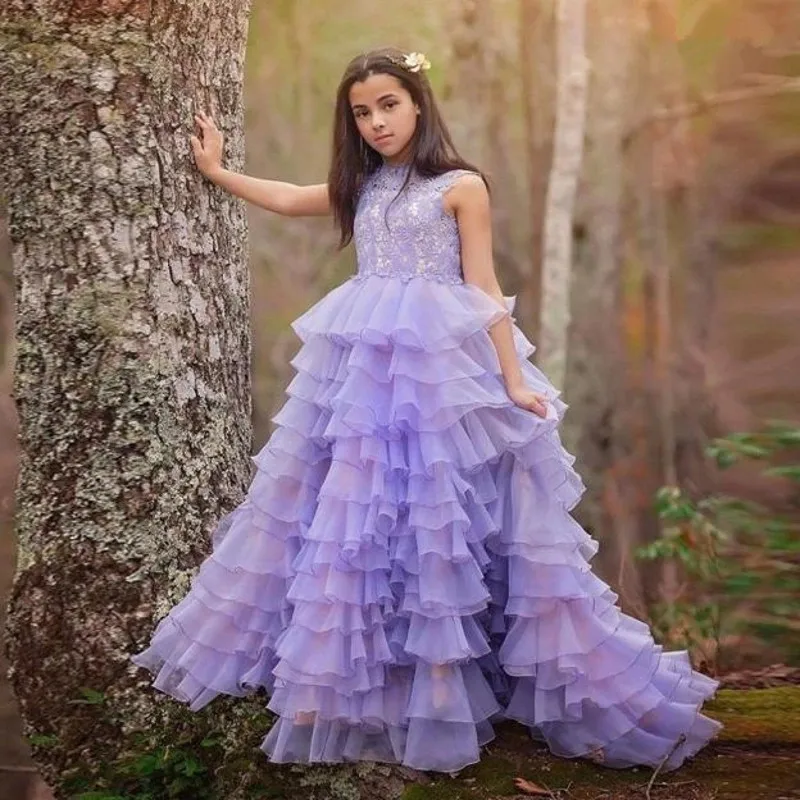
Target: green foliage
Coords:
[(734, 553), (89, 697), (43, 740), (150, 770), (181, 755)]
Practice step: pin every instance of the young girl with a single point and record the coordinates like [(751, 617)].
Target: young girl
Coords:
[(404, 569)]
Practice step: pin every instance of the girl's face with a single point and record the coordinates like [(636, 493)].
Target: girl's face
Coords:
[(385, 114)]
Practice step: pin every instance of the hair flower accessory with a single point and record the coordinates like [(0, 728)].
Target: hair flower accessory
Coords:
[(414, 62)]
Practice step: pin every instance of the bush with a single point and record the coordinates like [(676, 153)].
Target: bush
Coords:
[(740, 560)]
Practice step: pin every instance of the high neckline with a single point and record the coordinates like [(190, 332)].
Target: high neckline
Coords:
[(402, 167)]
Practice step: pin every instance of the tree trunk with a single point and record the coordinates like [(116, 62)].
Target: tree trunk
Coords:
[(468, 86), (537, 69), (662, 83), (570, 116), (687, 416), (132, 379), (498, 159), (597, 383)]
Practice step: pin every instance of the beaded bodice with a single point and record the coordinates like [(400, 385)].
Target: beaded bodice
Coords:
[(409, 235)]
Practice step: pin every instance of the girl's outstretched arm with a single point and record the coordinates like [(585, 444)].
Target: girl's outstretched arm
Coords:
[(282, 198), (469, 200)]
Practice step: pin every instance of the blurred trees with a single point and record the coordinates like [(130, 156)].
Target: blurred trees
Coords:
[(679, 98), (600, 427)]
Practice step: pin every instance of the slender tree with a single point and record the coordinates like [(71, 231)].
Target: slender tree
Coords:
[(537, 75), (570, 116)]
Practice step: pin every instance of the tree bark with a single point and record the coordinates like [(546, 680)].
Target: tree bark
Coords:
[(132, 379), (570, 120), (469, 84)]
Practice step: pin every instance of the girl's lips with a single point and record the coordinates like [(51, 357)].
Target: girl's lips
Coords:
[(384, 138)]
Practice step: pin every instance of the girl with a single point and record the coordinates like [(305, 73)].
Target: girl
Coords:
[(404, 569)]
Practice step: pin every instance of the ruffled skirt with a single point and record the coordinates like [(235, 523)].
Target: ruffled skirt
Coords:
[(404, 569)]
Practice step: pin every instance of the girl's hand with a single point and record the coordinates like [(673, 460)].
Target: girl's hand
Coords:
[(529, 400), (208, 147)]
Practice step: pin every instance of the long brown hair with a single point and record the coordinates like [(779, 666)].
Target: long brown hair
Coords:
[(353, 160)]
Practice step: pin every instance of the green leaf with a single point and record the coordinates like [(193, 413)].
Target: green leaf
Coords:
[(791, 471), (43, 739), (742, 583), (754, 451), (193, 767), (785, 434), (147, 764), (783, 540), (724, 458), (91, 696)]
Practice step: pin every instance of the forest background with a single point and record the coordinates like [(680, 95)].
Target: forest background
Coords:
[(668, 313)]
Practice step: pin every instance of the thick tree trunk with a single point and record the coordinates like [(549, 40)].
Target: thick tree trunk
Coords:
[(133, 378)]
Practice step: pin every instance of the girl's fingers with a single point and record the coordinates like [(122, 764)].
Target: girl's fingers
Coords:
[(203, 120), (538, 406)]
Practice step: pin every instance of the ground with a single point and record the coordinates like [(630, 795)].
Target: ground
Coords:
[(756, 758)]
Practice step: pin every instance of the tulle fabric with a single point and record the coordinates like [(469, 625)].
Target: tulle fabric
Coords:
[(404, 570)]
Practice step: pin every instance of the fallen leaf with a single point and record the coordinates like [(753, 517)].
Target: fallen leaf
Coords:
[(531, 788)]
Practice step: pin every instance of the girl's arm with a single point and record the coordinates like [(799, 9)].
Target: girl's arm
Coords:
[(282, 198), (469, 200)]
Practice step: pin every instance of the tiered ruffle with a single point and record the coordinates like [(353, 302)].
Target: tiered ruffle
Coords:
[(404, 568)]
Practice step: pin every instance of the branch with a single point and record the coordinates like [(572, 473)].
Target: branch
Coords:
[(678, 742), (712, 101), (764, 619)]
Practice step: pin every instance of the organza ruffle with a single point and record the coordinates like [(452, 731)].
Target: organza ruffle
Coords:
[(404, 568)]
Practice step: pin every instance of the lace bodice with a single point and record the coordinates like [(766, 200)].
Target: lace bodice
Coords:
[(417, 237)]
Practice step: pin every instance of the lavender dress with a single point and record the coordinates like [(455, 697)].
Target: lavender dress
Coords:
[(405, 514)]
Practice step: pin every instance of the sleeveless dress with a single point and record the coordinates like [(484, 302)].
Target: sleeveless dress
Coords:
[(404, 570)]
